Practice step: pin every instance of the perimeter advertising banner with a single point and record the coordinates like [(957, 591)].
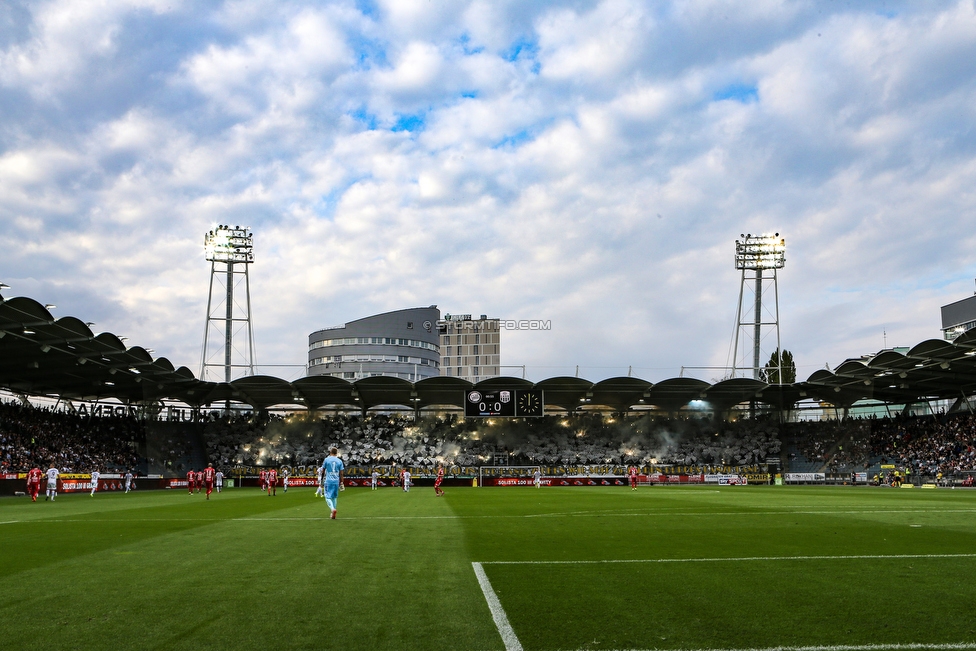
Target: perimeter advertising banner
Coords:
[(805, 477)]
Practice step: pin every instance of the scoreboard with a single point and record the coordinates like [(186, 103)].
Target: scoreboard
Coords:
[(501, 403)]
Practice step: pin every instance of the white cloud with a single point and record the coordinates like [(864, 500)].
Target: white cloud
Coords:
[(597, 179)]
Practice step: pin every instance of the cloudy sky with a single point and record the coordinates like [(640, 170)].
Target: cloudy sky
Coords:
[(586, 163)]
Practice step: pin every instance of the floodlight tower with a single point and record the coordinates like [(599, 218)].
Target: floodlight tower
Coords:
[(233, 248), (755, 254)]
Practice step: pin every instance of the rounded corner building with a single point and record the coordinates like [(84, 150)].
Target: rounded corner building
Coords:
[(402, 344)]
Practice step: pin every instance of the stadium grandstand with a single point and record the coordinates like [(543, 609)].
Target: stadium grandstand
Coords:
[(391, 421)]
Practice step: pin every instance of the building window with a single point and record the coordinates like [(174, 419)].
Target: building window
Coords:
[(475, 351), (475, 370), (449, 353), (477, 339)]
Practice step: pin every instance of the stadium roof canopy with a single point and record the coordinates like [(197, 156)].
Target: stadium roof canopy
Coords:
[(41, 355)]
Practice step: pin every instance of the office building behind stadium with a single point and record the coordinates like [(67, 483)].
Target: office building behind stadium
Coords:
[(470, 348), (402, 344)]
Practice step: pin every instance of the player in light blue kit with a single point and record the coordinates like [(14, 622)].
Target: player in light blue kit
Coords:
[(332, 478)]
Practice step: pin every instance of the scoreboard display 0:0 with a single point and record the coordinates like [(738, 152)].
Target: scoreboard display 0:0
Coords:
[(484, 404), (503, 403)]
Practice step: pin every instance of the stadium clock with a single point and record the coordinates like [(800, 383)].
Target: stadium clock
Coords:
[(503, 403)]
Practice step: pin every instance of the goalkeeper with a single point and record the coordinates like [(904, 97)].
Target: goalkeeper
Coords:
[(332, 469)]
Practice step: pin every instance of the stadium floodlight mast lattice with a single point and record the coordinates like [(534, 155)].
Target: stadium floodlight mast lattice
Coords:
[(755, 254), (232, 247)]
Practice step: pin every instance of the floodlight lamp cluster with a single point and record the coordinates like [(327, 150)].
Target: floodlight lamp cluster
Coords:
[(767, 251), (229, 244)]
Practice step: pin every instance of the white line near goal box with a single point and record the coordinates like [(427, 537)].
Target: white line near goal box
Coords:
[(512, 643)]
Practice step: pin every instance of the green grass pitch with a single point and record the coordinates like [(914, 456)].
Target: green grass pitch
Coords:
[(694, 568)]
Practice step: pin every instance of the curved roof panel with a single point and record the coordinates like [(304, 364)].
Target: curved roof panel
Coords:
[(382, 390), (675, 393), (442, 390), (322, 390), (726, 394), (504, 382), (619, 393), (569, 393)]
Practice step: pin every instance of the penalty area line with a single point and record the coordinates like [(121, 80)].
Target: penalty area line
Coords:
[(911, 646), (509, 638), (746, 559), (10, 522)]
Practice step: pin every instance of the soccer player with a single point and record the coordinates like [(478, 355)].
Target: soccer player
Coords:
[(272, 478), (285, 474), (263, 478), (191, 480), (332, 469), (438, 491), (199, 481), (128, 480), (94, 481), (632, 471), (374, 479), (537, 478), (219, 480), (34, 482), (52, 483), (208, 478), (406, 480), (320, 486)]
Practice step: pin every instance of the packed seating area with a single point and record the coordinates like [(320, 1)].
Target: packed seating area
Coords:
[(577, 439), (32, 436), (931, 445)]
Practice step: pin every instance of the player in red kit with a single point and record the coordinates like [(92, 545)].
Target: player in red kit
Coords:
[(632, 471), (199, 481), (34, 483), (191, 481), (208, 479), (272, 482), (263, 478), (438, 491)]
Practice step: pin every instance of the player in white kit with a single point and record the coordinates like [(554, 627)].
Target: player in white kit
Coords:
[(52, 483), (406, 481), (128, 480), (285, 474), (374, 478), (94, 481), (219, 480), (318, 491)]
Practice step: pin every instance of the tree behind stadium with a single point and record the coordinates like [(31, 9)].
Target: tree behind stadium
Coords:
[(770, 373)]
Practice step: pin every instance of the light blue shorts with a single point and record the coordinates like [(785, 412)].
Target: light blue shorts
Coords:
[(331, 490)]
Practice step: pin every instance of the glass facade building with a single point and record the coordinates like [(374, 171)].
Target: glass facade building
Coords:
[(401, 344)]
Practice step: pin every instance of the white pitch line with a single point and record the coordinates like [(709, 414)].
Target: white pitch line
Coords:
[(574, 514), (843, 647), (10, 522), (736, 560), (497, 612)]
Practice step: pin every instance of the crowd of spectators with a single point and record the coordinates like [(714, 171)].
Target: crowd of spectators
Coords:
[(34, 436), (930, 445), (586, 439), (837, 444)]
